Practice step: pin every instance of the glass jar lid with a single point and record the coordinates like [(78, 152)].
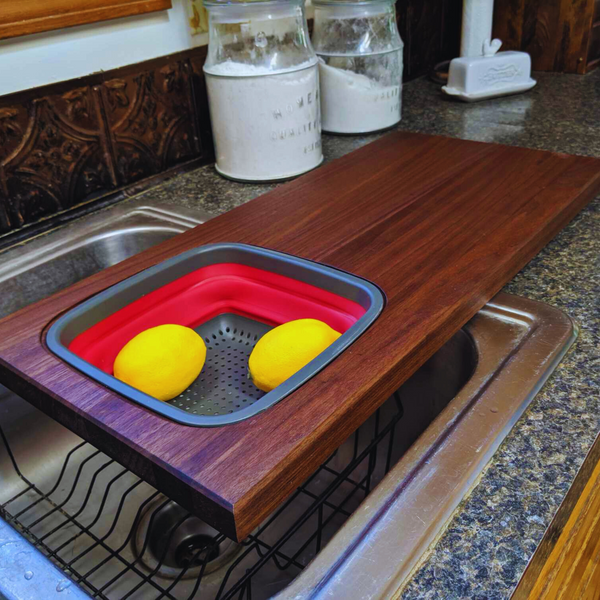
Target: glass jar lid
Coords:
[(258, 37), (212, 3), (349, 2), (355, 27)]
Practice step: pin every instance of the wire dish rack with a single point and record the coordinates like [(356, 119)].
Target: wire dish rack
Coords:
[(118, 538)]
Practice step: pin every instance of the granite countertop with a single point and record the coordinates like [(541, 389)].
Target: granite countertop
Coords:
[(496, 529)]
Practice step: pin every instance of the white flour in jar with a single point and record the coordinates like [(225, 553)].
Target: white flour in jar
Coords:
[(266, 125), (354, 103)]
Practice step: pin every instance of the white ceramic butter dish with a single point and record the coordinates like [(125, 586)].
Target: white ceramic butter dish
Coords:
[(473, 78)]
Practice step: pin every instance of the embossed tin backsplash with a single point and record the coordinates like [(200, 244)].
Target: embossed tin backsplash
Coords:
[(69, 144)]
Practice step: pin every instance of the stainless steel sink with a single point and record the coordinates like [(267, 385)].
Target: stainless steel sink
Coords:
[(364, 520), (38, 268)]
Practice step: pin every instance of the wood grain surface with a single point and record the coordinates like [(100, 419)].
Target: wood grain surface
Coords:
[(556, 34), (430, 32), (439, 224), (23, 17), (565, 565)]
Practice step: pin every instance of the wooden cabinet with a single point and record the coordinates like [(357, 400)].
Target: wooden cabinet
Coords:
[(594, 47), (430, 31), (561, 36), (22, 17)]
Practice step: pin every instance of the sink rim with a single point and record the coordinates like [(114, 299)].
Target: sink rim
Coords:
[(114, 220), (346, 567), (346, 564)]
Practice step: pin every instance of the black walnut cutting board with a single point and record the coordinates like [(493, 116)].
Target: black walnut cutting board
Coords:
[(439, 224)]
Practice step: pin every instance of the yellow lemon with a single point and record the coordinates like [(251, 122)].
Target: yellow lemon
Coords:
[(284, 350), (162, 361)]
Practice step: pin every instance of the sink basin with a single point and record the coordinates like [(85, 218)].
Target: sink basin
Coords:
[(413, 460), (54, 261)]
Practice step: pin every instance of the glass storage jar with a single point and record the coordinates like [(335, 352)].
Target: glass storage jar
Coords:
[(360, 63), (263, 89)]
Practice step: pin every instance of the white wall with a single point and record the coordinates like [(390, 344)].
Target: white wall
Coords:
[(43, 58)]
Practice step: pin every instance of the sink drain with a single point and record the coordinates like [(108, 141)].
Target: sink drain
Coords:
[(169, 539)]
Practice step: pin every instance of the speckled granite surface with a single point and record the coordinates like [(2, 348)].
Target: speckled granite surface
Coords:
[(496, 529)]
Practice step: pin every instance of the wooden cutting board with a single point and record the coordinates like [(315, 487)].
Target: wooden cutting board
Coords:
[(439, 224)]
